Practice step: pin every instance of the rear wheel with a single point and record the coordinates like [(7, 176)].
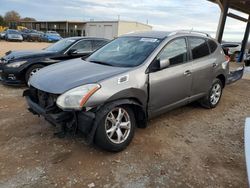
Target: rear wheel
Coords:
[(214, 96), (31, 71), (116, 129)]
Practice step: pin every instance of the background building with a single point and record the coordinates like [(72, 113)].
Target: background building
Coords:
[(105, 29)]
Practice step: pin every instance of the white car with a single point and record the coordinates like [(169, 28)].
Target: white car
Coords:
[(2, 35), (13, 35), (233, 48), (247, 147)]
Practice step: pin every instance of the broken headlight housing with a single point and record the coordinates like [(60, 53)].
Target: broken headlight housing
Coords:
[(77, 97)]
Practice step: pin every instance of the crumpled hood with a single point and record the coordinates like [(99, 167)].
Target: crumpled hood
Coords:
[(24, 54), (61, 77)]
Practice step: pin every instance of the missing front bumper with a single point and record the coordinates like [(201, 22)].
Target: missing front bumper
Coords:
[(80, 120)]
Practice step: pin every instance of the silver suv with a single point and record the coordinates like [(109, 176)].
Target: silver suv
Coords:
[(128, 81)]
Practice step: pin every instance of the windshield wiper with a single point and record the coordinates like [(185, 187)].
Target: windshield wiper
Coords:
[(101, 62)]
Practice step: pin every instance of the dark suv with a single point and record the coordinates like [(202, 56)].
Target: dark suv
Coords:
[(18, 66)]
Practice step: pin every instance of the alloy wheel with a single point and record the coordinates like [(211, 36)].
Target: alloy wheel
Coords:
[(118, 125), (215, 94)]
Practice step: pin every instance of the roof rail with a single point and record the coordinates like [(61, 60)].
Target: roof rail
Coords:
[(189, 31)]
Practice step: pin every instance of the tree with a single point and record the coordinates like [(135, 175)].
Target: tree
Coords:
[(28, 19), (2, 22), (12, 16)]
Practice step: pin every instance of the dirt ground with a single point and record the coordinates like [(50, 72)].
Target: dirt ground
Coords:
[(187, 147)]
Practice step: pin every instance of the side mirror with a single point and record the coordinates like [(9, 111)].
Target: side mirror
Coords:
[(164, 63), (72, 52)]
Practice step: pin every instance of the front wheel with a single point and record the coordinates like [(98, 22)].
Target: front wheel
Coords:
[(31, 71), (116, 129), (214, 96)]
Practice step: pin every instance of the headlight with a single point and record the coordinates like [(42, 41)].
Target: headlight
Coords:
[(16, 64), (77, 97)]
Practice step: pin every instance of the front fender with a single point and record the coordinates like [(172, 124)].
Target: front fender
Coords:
[(132, 93)]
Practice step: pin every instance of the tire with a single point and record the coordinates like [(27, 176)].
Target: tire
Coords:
[(31, 70), (207, 101), (110, 141)]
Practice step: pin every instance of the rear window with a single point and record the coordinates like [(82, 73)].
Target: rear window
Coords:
[(212, 45), (199, 47)]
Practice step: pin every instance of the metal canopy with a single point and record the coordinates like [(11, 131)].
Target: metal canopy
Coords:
[(240, 5)]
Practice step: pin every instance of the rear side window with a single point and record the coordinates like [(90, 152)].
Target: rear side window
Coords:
[(212, 45), (199, 47)]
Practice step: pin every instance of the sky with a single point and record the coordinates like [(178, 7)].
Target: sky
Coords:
[(168, 15)]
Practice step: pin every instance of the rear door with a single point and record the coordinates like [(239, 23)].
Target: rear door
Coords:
[(203, 65), (170, 87)]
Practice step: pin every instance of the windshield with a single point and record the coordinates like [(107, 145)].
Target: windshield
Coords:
[(60, 45), (13, 32), (125, 51)]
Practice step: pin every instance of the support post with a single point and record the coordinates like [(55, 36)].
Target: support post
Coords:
[(222, 22), (67, 29), (244, 42)]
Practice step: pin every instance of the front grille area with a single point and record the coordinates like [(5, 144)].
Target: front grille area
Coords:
[(46, 100)]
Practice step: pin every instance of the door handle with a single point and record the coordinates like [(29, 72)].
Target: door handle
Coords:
[(187, 73)]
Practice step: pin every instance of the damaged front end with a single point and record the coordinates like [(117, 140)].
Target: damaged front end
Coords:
[(44, 104)]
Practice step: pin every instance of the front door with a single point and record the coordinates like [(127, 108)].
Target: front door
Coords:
[(171, 86)]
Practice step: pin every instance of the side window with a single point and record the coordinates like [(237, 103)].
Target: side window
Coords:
[(176, 51), (98, 44), (212, 45), (198, 47), (83, 46)]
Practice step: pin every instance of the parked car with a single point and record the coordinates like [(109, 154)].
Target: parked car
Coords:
[(52, 32), (50, 37), (25, 33), (128, 81), (34, 35), (232, 48), (13, 35), (2, 35), (247, 147), (18, 66)]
